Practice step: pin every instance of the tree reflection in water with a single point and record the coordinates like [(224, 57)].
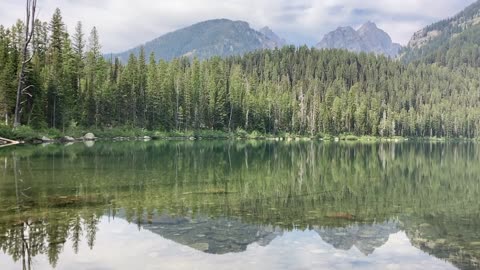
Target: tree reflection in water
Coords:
[(219, 197)]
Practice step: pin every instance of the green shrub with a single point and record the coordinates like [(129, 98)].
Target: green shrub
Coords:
[(241, 133), (255, 135), (6, 132)]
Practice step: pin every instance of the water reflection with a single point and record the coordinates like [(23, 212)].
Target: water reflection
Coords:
[(216, 236), (366, 238), (244, 198), (295, 249)]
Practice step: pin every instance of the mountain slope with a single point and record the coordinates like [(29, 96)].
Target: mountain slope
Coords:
[(219, 37), (451, 42), (368, 38), (267, 32)]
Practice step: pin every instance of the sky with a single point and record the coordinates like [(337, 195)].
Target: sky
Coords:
[(124, 24)]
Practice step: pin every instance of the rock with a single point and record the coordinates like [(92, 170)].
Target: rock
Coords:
[(33, 141), (341, 215), (441, 241), (192, 138), (147, 138), (200, 246), (67, 139), (422, 37), (430, 245), (46, 139), (89, 137)]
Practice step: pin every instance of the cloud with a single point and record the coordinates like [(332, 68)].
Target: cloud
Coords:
[(292, 250), (124, 23)]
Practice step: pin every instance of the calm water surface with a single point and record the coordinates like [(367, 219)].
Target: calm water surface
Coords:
[(240, 205)]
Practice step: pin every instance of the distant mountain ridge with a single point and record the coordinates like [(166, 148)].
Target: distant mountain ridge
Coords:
[(219, 37), (453, 41), (368, 38), (280, 42)]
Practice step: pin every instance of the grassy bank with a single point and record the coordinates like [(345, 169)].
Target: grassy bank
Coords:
[(28, 134)]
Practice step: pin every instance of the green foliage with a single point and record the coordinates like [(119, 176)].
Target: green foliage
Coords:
[(26, 133), (299, 91)]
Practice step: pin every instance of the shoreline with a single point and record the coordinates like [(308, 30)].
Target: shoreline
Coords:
[(233, 137), (26, 135)]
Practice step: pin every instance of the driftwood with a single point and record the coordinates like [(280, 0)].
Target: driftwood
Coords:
[(7, 142)]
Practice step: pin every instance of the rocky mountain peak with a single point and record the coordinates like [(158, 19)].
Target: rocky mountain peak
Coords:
[(369, 25), (368, 38), (218, 37), (268, 32)]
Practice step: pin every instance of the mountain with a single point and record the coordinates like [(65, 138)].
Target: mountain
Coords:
[(266, 31), (219, 37), (368, 38), (450, 42)]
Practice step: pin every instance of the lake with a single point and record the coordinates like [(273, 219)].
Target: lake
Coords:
[(240, 205)]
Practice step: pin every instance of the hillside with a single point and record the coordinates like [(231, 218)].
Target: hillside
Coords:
[(451, 42), (203, 40)]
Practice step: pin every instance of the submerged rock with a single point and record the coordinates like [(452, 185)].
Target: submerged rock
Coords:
[(46, 139), (67, 139), (74, 200), (200, 246), (341, 215)]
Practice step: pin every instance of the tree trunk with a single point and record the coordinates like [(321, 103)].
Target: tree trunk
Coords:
[(31, 7)]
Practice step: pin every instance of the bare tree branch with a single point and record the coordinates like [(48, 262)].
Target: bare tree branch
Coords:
[(26, 88), (28, 60)]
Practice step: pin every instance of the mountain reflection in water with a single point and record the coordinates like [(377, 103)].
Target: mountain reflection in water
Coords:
[(240, 205)]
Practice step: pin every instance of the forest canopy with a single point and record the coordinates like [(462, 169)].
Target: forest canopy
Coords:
[(297, 90)]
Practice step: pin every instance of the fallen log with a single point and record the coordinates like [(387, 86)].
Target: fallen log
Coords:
[(7, 142)]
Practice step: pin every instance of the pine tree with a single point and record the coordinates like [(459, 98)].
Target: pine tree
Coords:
[(92, 83), (78, 45), (55, 93), (217, 94), (141, 92)]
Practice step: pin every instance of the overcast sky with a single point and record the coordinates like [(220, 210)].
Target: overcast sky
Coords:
[(126, 23)]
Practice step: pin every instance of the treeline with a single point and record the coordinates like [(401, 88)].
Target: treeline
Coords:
[(295, 90)]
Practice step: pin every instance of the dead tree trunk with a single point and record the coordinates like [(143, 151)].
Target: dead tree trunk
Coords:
[(29, 30)]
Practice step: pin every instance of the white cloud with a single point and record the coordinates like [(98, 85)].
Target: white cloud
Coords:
[(126, 23)]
